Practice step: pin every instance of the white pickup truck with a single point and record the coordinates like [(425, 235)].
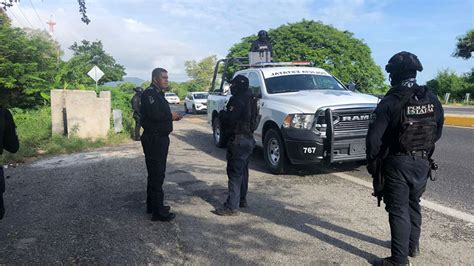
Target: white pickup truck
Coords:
[(307, 115)]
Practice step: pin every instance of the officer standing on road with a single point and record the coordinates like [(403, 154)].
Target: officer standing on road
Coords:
[(403, 130), (8, 141), (157, 122), (237, 119), (136, 102)]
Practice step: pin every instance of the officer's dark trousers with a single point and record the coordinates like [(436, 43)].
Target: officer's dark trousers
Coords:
[(155, 148), (136, 132), (405, 182), (239, 149), (2, 190)]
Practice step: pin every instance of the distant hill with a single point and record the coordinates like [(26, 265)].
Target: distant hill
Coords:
[(134, 80)]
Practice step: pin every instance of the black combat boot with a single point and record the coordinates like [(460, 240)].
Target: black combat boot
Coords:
[(163, 218), (414, 251), (243, 203), (225, 211), (388, 262), (150, 210)]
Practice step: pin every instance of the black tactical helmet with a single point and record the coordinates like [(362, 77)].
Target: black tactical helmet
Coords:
[(262, 34), (403, 62), (138, 89), (239, 84)]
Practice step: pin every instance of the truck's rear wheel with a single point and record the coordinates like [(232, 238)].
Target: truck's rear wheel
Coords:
[(220, 140), (274, 152)]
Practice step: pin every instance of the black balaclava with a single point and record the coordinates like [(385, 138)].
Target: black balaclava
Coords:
[(397, 78), (239, 85)]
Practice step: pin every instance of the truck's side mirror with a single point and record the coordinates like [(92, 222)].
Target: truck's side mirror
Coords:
[(351, 86)]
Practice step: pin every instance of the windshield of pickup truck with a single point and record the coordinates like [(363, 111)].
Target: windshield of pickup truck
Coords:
[(293, 83), (200, 95)]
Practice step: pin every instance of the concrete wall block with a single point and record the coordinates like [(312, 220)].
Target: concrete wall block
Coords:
[(87, 115), (58, 105), (105, 94)]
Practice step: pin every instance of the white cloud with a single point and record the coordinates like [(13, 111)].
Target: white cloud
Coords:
[(137, 26)]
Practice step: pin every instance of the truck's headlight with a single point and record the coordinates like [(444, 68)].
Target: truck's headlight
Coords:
[(302, 121)]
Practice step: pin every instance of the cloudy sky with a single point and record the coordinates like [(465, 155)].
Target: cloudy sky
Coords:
[(143, 34)]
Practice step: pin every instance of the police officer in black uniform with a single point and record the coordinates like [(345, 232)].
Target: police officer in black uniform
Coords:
[(8, 141), (157, 122), (405, 126), (262, 44), (237, 121), (136, 102)]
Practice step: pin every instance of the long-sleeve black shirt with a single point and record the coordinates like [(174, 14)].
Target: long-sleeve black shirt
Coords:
[(8, 137), (237, 117), (155, 112), (384, 129)]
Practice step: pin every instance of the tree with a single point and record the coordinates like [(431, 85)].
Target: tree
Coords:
[(201, 73), (447, 81), (85, 56), (465, 45), (28, 62), (347, 58)]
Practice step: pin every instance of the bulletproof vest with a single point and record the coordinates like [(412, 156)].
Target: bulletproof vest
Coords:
[(242, 126), (2, 128), (417, 123)]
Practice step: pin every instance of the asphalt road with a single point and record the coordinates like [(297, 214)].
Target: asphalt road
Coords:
[(89, 208), (459, 110), (454, 154)]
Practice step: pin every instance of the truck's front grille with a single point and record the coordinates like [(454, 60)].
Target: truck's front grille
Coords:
[(357, 119)]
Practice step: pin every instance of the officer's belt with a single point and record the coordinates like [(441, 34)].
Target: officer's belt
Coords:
[(422, 154)]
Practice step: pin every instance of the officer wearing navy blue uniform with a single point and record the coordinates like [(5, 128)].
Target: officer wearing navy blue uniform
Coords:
[(8, 141), (405, 126), (237, 121), (136, 102), (157, 122)]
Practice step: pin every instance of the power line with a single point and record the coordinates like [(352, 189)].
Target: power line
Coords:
[(38, 16), (24, 16), (16, 18)]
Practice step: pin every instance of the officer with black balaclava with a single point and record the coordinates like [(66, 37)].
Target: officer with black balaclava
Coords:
[(136, 102), (403, 130), (8, 141), (237, 121), (262, 44)]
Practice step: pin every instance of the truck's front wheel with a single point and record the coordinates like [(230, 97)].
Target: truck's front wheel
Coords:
[(220, 139), (274, 152)]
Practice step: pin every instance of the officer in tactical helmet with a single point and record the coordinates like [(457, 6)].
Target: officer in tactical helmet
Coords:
[(237, 119), (136, 102), (402, 133), (9, 142), (262, 44)]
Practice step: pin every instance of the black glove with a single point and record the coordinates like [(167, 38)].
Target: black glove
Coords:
[(372, 166)]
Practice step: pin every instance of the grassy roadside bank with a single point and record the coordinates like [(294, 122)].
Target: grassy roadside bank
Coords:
[(34, 132)]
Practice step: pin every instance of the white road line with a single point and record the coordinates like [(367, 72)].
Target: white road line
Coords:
[(425, 203)]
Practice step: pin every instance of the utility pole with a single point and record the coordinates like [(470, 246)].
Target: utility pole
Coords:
[(51, 25)]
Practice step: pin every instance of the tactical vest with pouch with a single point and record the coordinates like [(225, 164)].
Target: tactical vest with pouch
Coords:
[(417, 123)]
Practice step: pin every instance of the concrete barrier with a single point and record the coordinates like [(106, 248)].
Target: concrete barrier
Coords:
[(81, 113)]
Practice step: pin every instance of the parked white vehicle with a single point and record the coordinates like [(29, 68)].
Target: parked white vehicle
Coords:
[(307, 115), (171, 97), (196, 102)]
